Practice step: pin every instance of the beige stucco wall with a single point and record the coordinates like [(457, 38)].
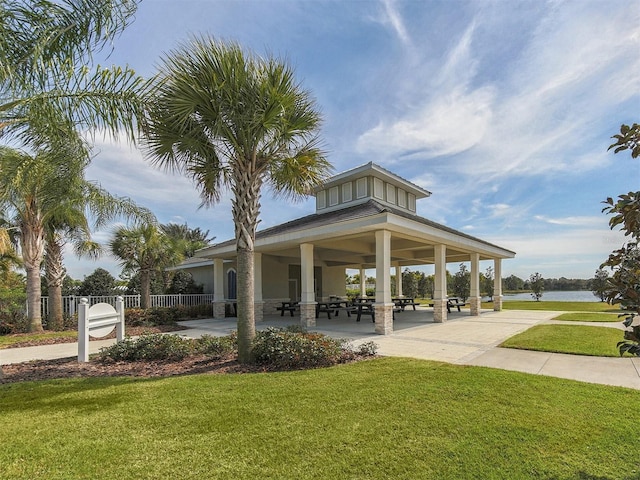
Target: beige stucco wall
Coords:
[(275, 278), (333, 282), (204, 276)]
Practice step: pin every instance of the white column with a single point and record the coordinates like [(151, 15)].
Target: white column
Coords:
[(218, 288), (363, 282), (399, 281), (308, 294), (497, 284), (258, 303), (383, 306), (475, 299), (440, 284)]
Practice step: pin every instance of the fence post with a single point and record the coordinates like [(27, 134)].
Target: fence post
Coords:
[(120, 324), (83, 330), (72, 305)]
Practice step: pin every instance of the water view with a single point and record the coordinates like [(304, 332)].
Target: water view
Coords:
[(565, 296)]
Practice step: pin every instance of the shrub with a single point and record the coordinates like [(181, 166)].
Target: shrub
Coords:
[(13, 322), (135, 317), (368, 349), (148, 347), (216, 347), (162, 316), (285, 349)]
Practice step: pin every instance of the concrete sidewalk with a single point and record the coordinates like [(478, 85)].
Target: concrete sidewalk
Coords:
[(462, 340)]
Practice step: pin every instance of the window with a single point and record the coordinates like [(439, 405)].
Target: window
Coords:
[(347, 193), (232, 282), (321, 200), (333, 196), (361, 188), (378, 188), (391, 193), (402, 198), (412, 202)]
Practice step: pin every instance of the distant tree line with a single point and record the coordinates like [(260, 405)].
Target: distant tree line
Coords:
[(418, 284)]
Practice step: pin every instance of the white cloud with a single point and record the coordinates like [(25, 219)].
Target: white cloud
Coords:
[(395, 20), (575, 221), (554, 254)]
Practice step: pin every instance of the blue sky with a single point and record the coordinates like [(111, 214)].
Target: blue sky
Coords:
[(503, 109)]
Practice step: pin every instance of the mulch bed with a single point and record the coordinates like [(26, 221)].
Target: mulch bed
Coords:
[(71, 368)]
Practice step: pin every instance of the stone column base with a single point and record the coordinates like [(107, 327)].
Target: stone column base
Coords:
[(384, 318), (475, 304), (308, 314), (440, 310), (497, 303), (258, 311), (219, 309)]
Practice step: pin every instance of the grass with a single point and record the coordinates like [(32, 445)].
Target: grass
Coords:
[(589, 317), (8, 340), (574, 339), (556, 306), (383, 419)]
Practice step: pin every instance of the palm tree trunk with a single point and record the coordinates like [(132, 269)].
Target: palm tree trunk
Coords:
[(32, 242), (246, 316), (246, 207), (55, 272), (145, 289)]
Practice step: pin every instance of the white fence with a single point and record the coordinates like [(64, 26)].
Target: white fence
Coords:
[(70, 303)]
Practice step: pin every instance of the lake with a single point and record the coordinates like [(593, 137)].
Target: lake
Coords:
[(568, 296)]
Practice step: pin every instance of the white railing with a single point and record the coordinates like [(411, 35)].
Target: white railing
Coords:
[(70, 302)]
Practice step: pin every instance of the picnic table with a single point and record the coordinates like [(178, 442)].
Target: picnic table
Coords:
[(287, 307), (404, 302), (452, 302), (334, 306)]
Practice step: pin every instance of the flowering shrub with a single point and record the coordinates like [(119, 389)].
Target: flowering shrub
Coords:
[(293, 349)]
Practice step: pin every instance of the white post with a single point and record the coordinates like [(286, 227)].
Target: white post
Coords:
[(399, 281), (83, 330), (440, 287), (475, 299), (497, 284), (383, 306), (363, 282), (120, 324), (308, 294)]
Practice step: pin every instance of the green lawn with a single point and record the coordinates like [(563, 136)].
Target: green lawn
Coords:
[(589, 317), (7, 340), (557, 306), (382, 419), (575, 339)]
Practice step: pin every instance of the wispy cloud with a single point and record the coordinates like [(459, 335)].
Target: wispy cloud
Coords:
[(520, 124), (394, 19)]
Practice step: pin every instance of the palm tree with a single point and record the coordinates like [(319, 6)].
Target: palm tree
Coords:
[(193, 238), (70, 222), (229, 119), (144, 249), (30, 191), (47, 86)]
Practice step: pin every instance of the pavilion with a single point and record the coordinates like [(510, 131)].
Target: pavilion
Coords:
[(365, 218)]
